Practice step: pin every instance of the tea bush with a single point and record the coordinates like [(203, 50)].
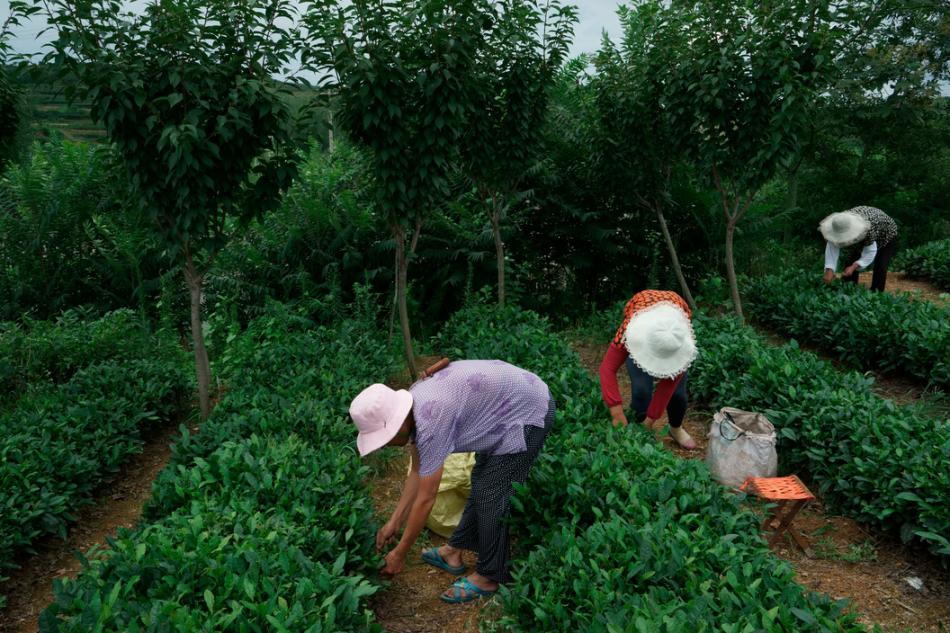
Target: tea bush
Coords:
[(879, 462), (58, 445), (52, 351), (930, 261), (868, 330), (619, 534), (261, 521)]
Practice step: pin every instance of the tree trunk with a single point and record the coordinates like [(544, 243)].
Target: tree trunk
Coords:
[(495, 215), (416, 231), (402, 264), (791, 200), (202, 367), (675, 259), (731, 268)]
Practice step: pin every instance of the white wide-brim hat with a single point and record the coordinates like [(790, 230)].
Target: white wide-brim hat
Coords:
[(660, 340), (379, 412), (845, 228)]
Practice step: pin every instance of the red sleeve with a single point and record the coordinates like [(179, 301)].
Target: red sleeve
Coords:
[(661, 395), (613, 359)]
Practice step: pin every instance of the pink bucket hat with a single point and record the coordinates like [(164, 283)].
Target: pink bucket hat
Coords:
[(378, 413)]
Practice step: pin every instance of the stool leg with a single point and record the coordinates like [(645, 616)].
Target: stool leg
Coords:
[(774, 514), (802, 542), (786, 521)]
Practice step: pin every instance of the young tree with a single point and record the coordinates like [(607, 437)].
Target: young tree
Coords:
[(405, 87), (525, 47), (639, 145), (187, 94), (746, 75), (10, 119)]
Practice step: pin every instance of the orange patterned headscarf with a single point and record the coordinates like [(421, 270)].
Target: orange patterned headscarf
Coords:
[(645, 299)]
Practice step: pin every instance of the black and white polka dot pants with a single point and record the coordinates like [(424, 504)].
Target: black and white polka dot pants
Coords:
[(482, 528)]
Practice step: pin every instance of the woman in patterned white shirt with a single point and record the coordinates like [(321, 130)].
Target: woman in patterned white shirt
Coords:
[(500, 412), (871, 235)]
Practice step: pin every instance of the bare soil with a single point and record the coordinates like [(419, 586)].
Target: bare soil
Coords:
[(411, 604), (876, 582), (916, 289), (901, 388), (117, 503)]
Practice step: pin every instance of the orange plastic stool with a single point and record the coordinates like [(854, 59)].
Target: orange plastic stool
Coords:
[(790, 495)]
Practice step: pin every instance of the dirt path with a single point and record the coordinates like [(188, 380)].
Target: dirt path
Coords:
[(117, 503), (411, 603), (901, 388), (899, 284), (873, 572)]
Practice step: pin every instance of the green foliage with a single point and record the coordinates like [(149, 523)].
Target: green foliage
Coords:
[(405, 80), (620, 534), (261, 521), (930, 261), (525, 46), (185, 92), (59, 443), (323, 238), (865, 329), (743, 84), (638, 143), (52, 351), (215, 570), (881, 463), (9, 96), (69, 236), (853, 552), (9, 115)]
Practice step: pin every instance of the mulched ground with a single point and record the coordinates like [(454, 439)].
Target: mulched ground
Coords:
[(899, 284), (117, 504), (410, 603), (877, 582)]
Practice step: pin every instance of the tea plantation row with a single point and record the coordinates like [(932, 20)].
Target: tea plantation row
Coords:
[(617, 533), (881, 463), (930, 261), (56, 446), (36, 353), (865, 329), (59, 441), (261, 522)]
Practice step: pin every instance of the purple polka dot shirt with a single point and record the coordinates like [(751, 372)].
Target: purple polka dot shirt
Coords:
[(475, 405)]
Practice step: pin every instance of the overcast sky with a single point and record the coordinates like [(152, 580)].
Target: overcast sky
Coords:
[(595, 17)]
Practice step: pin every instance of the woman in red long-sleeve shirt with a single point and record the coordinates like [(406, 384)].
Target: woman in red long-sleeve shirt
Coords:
[(656, 342)]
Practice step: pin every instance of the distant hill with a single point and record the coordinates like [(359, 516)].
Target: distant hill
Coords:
[(47, 109)]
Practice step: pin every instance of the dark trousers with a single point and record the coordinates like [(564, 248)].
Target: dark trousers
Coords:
[(483, 527), (881, 262), (641, 387)]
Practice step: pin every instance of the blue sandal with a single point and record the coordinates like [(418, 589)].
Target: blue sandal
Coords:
[(464, 591), (435, 559)]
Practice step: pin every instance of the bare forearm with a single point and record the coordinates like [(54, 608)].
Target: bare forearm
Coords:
[(418, 515), (410, 491)]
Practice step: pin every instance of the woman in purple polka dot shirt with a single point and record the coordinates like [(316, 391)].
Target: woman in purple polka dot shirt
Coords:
[(502, 413)]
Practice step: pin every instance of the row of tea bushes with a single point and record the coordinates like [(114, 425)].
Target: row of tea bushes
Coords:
[(38, 353), (865, 329), (58, 444), (881, 463), (930, 261), (617, 533), (261, 522)]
